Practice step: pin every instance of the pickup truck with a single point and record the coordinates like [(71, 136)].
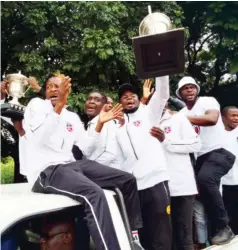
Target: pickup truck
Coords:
[(20, 206)]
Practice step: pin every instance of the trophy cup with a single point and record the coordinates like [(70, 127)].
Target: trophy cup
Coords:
[(159, 49), (16, 88)]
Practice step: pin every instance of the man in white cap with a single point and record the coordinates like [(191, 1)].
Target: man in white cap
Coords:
[(213, 160)]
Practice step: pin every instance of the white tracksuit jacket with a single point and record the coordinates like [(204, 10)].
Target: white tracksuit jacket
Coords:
[(180, 140), (140, 153)]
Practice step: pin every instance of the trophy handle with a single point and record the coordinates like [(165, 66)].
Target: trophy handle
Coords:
[(23, 94), (7, 93)]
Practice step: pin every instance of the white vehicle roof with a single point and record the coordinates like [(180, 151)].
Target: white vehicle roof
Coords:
[(233, 245), (18, 203)]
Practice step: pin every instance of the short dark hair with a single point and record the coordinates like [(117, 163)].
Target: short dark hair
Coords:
[(226, 109), (43, 88), (104, 97)]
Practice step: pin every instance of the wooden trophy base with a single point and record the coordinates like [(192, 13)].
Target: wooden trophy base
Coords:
[(160, 54)]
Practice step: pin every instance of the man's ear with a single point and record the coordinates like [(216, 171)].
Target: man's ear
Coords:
[(67, 238)]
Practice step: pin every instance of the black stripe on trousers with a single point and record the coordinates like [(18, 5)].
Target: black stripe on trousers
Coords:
[(83, 181)]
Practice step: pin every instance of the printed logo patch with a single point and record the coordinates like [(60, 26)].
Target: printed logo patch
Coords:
[(197, 129), (137, 123), (69, 127), (167, 130)]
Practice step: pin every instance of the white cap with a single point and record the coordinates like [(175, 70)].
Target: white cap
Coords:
[(184, 81)]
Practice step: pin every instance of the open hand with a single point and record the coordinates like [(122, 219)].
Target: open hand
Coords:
[(33, 83), (64, 90), (114, 113), (158, 133), (147, 91)]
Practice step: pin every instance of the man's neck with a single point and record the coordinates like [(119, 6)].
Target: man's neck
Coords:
[(131, 111), (228, 128), (90, 118), (191, 104)]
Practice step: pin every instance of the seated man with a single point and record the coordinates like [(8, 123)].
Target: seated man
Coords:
[(51, 131)]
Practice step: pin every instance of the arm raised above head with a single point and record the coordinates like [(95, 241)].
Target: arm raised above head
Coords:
[(159, 99)]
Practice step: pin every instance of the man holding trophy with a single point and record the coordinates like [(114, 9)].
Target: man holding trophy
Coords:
[(159, 52), (11, 115)]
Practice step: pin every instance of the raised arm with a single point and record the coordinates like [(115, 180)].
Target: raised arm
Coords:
[(88, 143), (159, 99)]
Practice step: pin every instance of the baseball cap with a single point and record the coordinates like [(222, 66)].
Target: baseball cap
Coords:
[(184, 81), (127, 87)]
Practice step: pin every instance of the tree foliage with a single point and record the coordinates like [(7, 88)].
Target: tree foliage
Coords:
[(211, 47), (92, 41)]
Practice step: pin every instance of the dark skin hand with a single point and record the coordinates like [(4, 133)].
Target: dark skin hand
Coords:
[(209, 119), (19, 128), (64, 90), (158, 133), (3, 89), (105, 115)]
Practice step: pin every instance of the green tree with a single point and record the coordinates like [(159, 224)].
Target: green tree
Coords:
[(211, 45), (90, 41)]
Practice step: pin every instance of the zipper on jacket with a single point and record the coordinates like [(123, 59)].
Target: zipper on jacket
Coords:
[(131, 140), (104, 148), (62, 144)]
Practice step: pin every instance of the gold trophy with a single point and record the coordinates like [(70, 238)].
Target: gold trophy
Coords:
[(16, 88), (159, 49)]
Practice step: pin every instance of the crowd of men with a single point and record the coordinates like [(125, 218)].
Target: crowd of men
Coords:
[(170, 166)]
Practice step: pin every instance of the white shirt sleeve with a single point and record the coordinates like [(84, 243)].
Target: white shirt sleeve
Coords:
[(39, 114), (211, 104), (120, 159), (157, 103), (87, 143), (22, 154), (189, 142)]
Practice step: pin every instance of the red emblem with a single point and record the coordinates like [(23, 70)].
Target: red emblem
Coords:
[(69, 127), (167, 130), (137, 123), (197, 129)]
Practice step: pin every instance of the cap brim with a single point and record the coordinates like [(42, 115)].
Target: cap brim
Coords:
[(124, 88)]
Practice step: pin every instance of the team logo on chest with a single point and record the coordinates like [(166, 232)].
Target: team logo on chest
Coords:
[(137, 123), (167, 130), (196, 129), (69, 127)]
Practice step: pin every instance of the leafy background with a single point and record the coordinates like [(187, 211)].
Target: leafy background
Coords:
[(92, 42)]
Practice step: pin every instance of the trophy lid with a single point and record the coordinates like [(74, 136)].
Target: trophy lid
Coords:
[(155, 23), (16, 77)]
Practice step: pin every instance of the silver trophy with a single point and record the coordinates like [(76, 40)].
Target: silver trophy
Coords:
[(159, 49), (17, 86), (154, 23)]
